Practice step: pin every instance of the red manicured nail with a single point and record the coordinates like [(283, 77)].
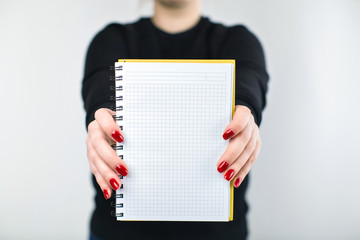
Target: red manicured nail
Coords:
[(117, 136), (229, 174), (222, 167), (106, 194), (114, 184), (237, 182), (121, 170), (228, 134)]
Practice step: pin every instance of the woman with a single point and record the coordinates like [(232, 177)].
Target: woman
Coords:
[(176, 31)]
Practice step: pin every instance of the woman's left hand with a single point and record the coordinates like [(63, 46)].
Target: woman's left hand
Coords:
[(244, 146)]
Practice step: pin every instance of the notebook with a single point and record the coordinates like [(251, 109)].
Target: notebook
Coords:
[(172, 114)]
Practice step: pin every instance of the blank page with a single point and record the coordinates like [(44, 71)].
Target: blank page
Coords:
[(173, 118)]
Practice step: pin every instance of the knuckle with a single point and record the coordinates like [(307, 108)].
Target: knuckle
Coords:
[(256, 128), (252, 159), (87, 141), (88, 154), (251, 146), (91, 125), (247, 135), (247, 110), (91, 155), (243, 140), (251, 116), (257, 132), (95, 138), (259, 142), (99, 112), (93, 169), (239, 125)]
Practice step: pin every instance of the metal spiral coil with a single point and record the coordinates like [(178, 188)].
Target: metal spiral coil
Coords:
[(113, 88), (116, 87), (113, 213), (117, 205), (117, 147), (116, 78), (118, 118), (113, 98)]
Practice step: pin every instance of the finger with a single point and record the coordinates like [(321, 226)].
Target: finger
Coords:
[(235, 147), (105, 187), (240, 120), (247, 166), (235, 167), (105, 151), (103, 169), (104, 117)]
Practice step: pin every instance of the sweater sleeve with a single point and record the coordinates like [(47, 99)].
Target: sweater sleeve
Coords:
[(251, 74), (105, 49)]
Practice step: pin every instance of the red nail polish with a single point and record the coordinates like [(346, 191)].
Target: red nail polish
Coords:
[(121, 170), (114, 184), (222, 167), (237, 182), (117, 136), (229, 174), (228, 134), (106, 194)]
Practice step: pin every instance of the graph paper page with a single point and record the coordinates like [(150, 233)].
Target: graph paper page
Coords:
[(174, 115)]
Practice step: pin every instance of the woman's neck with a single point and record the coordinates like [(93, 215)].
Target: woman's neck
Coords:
[(175, 18)]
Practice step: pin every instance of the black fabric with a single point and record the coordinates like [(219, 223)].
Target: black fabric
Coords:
[(142, 40)]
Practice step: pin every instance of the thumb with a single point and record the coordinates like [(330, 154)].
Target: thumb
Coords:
[(240, 119)]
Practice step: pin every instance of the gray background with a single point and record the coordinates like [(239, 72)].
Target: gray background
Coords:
[(305, 183)]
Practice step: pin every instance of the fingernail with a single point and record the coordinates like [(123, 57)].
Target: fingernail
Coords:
[(229, 174), (237, 182), (117, 136), (121, 170), (222, 167), (106, 194), (228, 134), (114, 184)]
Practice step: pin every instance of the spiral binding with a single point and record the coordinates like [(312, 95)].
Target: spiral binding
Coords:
[(113, 88), (114, 98), (117, 147), (115, 78), (113, 213), (117, 109)]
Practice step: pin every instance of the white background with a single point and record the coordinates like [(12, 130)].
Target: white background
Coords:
[(306, 182)]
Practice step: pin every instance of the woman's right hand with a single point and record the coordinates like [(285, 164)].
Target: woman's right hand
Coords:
[(104, 163)]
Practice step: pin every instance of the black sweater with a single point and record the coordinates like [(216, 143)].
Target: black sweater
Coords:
[(142, 40)]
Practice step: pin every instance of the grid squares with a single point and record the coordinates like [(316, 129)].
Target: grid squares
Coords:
[(173, 141)]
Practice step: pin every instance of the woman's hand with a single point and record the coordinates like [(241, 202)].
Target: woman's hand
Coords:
[(103, 160), (244, 146)]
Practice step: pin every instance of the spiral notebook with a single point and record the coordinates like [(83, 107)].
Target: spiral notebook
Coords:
[(172, 114)]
